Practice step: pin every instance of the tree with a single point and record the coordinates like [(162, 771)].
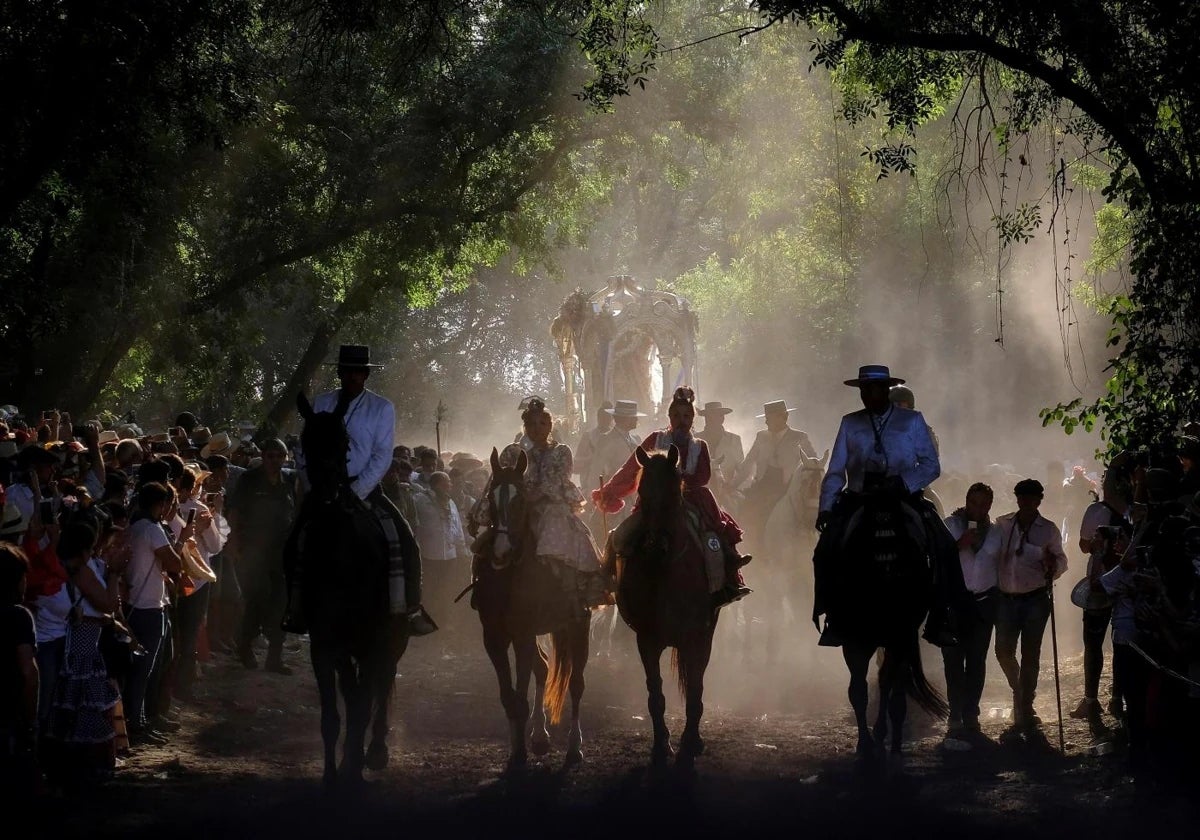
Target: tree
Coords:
[(1119, 77)]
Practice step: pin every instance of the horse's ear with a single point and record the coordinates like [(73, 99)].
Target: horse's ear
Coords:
[(495, 460), (305, 407), (522, 462), (343, 403), (642, 457), (673, 455)]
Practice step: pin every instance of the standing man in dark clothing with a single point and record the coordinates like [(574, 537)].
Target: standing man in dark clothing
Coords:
[(261, 511)]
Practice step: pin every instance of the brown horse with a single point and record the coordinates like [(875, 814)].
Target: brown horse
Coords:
[(663, 595), (519, 597)]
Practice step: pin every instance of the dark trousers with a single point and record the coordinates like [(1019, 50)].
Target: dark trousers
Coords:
[(1133, 675), (1021, 619), (224, 602), (50, 657), (191, 612), (147, 627), (1095, 628), (158, 690), (966, 662), (264, 598)]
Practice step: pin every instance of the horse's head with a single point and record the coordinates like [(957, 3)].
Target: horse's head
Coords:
[(804, 493), (506, 500), (325, 444), (660, 486)]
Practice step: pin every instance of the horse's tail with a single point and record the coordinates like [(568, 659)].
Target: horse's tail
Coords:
[(681, 674), (562, 667), (918, 687)]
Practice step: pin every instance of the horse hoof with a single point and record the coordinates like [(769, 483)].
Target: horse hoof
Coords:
[(866, 747), (377, 756), (517, 761), (660, 754), (574, 758), (693, 746), (329, 781), (539, 745)]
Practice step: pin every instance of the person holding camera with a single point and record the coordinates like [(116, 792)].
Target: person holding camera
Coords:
[(1030, 557), (1103, 536), (966, 663)]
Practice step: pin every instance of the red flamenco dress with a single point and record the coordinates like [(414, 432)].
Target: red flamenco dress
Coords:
[(696, 469)]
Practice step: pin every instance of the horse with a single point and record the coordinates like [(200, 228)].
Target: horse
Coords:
[(355, 642), (874, 573), (663, 595), (519, 598), (782, 584)]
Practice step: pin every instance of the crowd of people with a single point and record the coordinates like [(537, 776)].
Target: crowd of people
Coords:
[(129, 557)]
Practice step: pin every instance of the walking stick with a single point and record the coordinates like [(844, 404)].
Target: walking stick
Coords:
[(1062, 744), (437, 428)]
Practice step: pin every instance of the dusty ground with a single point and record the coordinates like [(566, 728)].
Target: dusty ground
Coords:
[(780, 742)]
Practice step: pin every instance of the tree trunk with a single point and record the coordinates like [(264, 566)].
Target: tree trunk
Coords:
[(85, 397), (280, 417)]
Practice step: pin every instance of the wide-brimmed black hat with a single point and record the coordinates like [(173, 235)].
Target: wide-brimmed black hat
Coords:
[(868, 374), (355, 357)]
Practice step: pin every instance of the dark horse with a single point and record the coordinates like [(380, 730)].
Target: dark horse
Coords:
[(355, 642), (519, 598), (875, 583), (663, 595)]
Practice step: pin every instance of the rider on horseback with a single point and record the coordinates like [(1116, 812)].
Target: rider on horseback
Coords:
[(696, 469), (883, 451), (370, 421)]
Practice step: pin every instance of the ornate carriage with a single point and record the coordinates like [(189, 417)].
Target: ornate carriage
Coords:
[(624, 342)]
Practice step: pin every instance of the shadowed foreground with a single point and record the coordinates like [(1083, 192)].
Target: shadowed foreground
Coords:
[(247, 762)]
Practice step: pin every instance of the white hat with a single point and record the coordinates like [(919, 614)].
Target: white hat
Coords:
[(625, 408)]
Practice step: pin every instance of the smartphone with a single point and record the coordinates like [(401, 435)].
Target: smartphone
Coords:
[(191, 516)]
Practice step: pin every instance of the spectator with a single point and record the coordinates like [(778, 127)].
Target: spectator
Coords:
[(261, 513), (18, 702), (193, 602)]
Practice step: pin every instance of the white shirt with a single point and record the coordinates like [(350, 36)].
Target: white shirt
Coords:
[(724, 450), (905, 449), (772, 450), (978, 567), (144, 575), (440, 536), (210, 541), (612, 451), (371, 424), (50, 618), (1019, 560)]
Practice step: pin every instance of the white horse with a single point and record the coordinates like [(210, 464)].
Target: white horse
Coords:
[(782, 578)]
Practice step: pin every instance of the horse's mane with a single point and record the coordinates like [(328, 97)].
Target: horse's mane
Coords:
[(660, 485)]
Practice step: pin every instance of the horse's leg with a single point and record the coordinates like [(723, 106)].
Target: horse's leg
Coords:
[(886, 684), (385, 681), (540, 735), (496, 642), (580, 636), (651, 653), (525, 649), (331, 721), (858, 661), (353, 674), (694, 661), (898, 701)]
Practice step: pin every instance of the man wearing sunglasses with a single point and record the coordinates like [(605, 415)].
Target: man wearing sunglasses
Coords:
[(1029, 556)]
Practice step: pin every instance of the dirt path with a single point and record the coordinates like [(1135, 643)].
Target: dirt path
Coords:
[(780, 742)]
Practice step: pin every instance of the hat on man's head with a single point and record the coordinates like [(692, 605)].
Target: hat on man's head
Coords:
[(108, 436), (902, 394), (714, 408), (465, 461), (355, 357), (624, 408), (32, 456), (219, 444), (201, 435), (1029, 487), (868, 374), (773, 408), (524, 404), (12, 521)]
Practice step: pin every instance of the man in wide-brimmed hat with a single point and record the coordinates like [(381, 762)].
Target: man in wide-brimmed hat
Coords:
[(724, 448), (768, 466), (585, 453), (370, 421), (885, 451), (614, 447)]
